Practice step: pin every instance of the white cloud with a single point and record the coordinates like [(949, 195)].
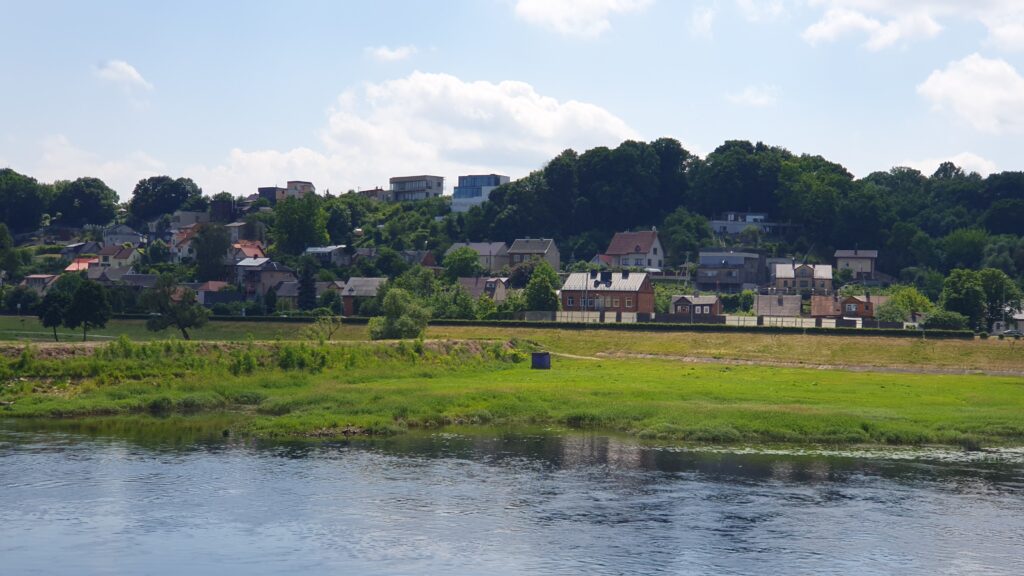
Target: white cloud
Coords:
[(124, 75), (425, 124), (582, 18), (887, 22), (702, 21), (987, 94), (60, 159), (762, 96), (386, 54), (969, 161)]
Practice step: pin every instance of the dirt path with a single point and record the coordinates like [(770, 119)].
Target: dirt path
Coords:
[(809, 366)]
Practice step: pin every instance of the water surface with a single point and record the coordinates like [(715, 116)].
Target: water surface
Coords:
[(494, 503)]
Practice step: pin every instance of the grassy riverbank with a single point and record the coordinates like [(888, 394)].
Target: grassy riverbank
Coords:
[(282, 389), (990, 355)]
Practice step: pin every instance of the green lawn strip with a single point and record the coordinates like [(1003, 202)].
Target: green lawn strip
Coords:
[(390, 388)]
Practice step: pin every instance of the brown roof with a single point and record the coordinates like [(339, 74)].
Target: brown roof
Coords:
[(631, 243), (777, 305), (695, 300), (825, 306)]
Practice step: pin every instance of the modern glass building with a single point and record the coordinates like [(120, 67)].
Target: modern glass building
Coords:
[(474, 189)]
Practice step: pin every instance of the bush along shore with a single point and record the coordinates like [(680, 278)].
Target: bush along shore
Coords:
[(327, 390)]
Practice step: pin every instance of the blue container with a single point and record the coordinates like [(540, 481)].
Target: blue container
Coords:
[(541, 361)]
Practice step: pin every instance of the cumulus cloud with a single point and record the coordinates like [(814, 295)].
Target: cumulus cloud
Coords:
[(969, 161), (386, 54), (581, 18), (762, 96), (124, 75), (886, 23), (426, 124), (701, 22), (60, 159), (987, 94)]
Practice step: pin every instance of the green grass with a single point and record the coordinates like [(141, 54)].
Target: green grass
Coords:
[(280, 390), (28, 328)]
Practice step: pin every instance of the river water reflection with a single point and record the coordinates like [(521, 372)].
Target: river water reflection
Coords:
[(493, 503)]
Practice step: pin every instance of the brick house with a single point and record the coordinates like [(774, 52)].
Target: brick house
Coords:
[(627, 292), (857, 306)]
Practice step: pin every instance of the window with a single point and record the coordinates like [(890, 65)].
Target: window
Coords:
[(707, 309), (851, 308), (568, 301), (638, 261), (655, 250), (615, 302), (629, 302), (648, 261)]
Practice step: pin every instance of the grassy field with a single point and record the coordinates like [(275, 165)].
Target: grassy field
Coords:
[(293, 389), (979, 355)]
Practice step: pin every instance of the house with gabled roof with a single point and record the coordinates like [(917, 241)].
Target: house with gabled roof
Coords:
[(358, 289), (854, 306), (775, 305), (257, 275), (288, 292), (700, 309), (81, 264), (610, 292), (493, 255), (39, 283), (116, 256), (802, 278), (526, 249), (860, 263), (636, 250), (494, 288)]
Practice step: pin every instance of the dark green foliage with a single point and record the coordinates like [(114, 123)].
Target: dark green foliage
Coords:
[(22, 201), (84, 201), (963, 293), (946, 320), (307, 288), (300, 223), (462, 263), (402, 317), (89, 308), (159, 195), (170, 305), (211, 245), (540, 290), (53, 310), (21, 300)]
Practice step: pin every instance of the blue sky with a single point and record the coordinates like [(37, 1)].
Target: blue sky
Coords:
[(241, 94)]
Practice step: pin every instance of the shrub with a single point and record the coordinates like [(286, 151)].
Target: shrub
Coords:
[(945, 320)]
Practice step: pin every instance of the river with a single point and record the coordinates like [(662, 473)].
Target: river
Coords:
[(495, 502)]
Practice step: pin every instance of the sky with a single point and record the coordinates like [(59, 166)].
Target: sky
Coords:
[(242, 94)]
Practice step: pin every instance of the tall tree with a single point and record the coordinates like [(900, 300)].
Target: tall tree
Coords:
[(84, 201), (211, 245), (540, 290), (963, 293), (89, 308), (462, 262), (300, 223), (170, 305), (158, 195), (53, 311), (307, 288), (22, 201), (1002, 295)]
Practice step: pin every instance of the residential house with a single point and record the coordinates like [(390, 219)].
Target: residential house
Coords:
[(117, 256), (609, 292), (245, 249), (257, 275), (787, 305), (419, 258), (78, 249), (409, 188), (733, 223), (139, 281), (700, 309), (81, 264), (474, 190), (271, 194), (525, 249), (180, 245), (236, 231), (802, 278), (335, 255), (288, 292), (186, 218), (108, 275), (856, 306), (223, 209), (39, 283), (636, 249), (378, 194), (494, 288), (120, 235), (728, 271), (298, 189), (860, 263), (493, 255), (358, 290)]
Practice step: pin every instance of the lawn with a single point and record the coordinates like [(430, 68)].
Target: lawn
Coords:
[(327, 390)]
